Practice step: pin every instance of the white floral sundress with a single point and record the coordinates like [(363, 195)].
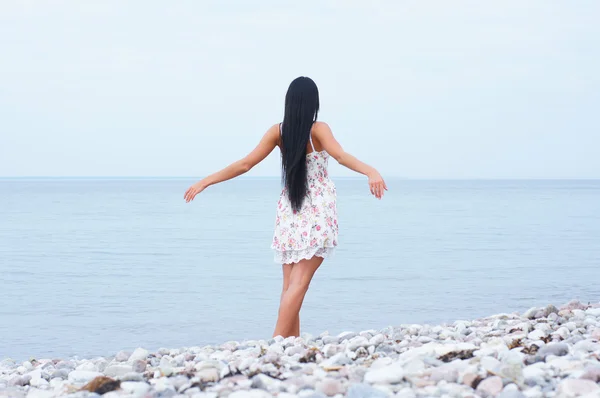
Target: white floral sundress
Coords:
[(313, 230)]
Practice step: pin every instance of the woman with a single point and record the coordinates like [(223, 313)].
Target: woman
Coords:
[(306, 227)]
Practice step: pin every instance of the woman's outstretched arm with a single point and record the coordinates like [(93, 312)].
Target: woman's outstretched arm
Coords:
[(263, 149), (330, 144)]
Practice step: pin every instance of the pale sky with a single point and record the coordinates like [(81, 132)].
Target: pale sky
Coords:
[(418, 89)]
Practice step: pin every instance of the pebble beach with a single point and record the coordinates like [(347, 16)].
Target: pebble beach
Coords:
[(544, 352)]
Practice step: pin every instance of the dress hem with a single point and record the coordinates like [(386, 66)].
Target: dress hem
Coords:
[(295, 256)]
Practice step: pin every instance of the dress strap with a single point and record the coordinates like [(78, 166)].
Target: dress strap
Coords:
[(311, 143)]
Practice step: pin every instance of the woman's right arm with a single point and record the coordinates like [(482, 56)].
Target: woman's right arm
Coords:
[(333, 147)]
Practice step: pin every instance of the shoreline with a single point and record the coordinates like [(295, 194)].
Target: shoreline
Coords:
[(543, 352)]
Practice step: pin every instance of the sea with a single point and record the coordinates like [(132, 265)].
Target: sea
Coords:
[(89, 267)]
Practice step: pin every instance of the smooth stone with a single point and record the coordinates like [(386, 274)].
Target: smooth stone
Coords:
[(132, 376), (292, 350), (562, 332), (381, 362), (413, 367), (406, 393), (364, 391), (574, 305), (534, 374), (331, 340), (88, 366), (391, 374), (446, 373), (118, 370), (490, 364), (376, 340), (510, 391), (179, 381), (62, 373), (577, 387), (586, 346), (135, 387), (19, 380), (591, 373), (122, 356), (82, 376), (208, 375), (557, 349), (65, 365), (330, 387), (537, 334), (264, 382), (336, 360), (530, 313), (139, 365), (357, 342), (490, 387), (246, 394), (571, 326), (37, 393), (593, 311), (165, 366), (469, 379), (138, 354), (38, 382), (346, 336)]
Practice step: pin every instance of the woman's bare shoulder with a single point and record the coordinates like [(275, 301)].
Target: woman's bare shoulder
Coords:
[(320, 127)]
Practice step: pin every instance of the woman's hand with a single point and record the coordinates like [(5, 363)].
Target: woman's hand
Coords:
[(194, 190), (376, 184)]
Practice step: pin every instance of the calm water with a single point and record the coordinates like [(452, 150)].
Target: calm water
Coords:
[(90, 267)]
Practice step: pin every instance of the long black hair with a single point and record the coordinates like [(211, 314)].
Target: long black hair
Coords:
[(301, 110)]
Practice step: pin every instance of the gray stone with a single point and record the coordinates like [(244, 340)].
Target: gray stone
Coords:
[(338, 359), (557, 349), (122, 356), (62, 373), (364, 391), (139, 366), (265, 382), (65, 365), (331, 340)]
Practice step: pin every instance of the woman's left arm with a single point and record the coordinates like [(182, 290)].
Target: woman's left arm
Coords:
[(263, 149)]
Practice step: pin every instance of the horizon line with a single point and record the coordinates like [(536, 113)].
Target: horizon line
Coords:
[(278, 177)]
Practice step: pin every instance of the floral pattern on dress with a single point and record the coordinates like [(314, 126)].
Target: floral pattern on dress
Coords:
[(313, 230)]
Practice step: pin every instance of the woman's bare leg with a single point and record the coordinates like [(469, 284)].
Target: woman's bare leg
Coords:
[(287, 271), (291, 300)]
